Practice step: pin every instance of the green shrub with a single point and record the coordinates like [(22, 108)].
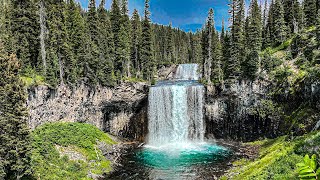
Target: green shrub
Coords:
[(33, 80), (308, 169), (49, 164), (277, 158)]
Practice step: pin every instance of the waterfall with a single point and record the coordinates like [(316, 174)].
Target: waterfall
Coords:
[(187, 72), (176, 109)]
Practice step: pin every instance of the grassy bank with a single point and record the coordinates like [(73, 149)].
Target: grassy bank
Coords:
[(68, 151), (277, 158)]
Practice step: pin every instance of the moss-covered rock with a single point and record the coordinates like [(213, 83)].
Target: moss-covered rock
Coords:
[(68, 151)]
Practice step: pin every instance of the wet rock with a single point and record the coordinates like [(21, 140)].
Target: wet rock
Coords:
[(114, 153)]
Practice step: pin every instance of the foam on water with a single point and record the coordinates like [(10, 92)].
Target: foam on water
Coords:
[(181, 155), (176, 124)]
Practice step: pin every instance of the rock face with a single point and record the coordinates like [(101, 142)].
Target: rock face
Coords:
[(120, 111), (245, 111), (227, 111)]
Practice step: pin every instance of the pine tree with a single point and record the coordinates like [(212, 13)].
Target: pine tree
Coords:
[(237, 39), (298, 17), (124, 52), (217, 72), (24, 32), (223, 32), (91, 67), (43, 35), (207, 55), (4, 21), (253, 36), (106, 47), (318, 28), (310, 12), (147, 61), (251, 65), (279, 30), (292, 15), (246, 32), (75, 27), (14, 133), (125, 38), (224, 41), (92, 21), (171, 46), (195, 47), (226, 53), (90, 62), (116, 18), (183, 56), (135, 44), (268, 27), (254, 27), (60, 56), (265, 13)]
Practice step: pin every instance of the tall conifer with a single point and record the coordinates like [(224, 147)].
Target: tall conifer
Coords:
[(135, 44), (147, 61), (116, 18), (125, 39), (92, 21), (292, 15), (237, 40), (24, 32), (59, 53), (14, 133), (310, 12), (106, 47), (279, 28)]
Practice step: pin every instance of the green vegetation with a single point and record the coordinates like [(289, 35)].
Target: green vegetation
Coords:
[(58, 42), (50, 141), (67, 44), (14, 132), (283, 46), (277, 158), (308, 168), (32, 79)]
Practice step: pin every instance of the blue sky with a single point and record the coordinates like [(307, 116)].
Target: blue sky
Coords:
[(185, 14)]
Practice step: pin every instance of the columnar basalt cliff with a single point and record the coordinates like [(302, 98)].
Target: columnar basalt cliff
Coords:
[(120, 111), (227, 111), (251, 110)]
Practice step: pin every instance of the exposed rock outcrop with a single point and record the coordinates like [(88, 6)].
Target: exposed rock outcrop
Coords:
[(248, 111), (227, 111), (120, 111)]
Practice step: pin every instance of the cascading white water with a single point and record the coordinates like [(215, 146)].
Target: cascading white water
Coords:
[(176, 109), (176, 147), (187, 72)]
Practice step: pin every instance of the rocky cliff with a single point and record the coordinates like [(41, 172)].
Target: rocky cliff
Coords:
[(251, 110), (120, 111)]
